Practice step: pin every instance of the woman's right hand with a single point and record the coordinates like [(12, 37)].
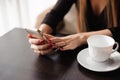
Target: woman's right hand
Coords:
[(39, 46)]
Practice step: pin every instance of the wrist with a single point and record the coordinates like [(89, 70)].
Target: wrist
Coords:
[(45, 28), (83, 37)]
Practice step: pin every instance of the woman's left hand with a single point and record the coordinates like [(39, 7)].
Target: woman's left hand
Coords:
[(69, 42)]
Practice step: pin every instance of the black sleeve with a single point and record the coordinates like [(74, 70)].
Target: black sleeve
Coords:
[(57, 13), (116, 33), (116, 30)]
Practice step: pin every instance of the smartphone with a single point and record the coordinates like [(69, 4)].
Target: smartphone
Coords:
[(36, 33)]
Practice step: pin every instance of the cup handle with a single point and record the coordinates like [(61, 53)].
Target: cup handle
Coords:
[(116, 48)]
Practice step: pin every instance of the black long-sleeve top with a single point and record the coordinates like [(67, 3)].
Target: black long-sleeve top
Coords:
[(95, 22)]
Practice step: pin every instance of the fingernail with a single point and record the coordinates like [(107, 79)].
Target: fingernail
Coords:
[(49, 45), (53, 44), (29, 35), (41, 41), (61, 49)]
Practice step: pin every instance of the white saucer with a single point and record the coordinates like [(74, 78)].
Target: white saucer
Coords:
[(111, 64)]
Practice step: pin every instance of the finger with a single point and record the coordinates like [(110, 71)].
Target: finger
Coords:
[(48, 51), (67, 47), (37, 52), (29, 35), (58, 39), (55, 40), (43, 52), (41, 47), (62, 43), (36, 41), (48, 36)]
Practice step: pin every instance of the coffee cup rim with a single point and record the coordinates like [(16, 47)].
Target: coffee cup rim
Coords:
[(112, 43)]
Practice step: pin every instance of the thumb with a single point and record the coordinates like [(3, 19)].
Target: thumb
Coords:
[(48, 36)]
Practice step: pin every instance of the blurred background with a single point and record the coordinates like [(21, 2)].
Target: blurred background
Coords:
[(21, 13)]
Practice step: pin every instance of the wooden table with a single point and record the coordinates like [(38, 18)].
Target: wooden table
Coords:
[(18, 62)]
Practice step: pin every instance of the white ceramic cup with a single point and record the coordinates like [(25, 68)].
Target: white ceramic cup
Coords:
[(100, 47)]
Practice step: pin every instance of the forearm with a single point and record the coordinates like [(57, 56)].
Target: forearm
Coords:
[(45, 28), (100, 32), (57, 13)]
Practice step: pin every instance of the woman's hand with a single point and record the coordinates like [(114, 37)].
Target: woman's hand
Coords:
[(39, 46), (70, 42), (73, 41)]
